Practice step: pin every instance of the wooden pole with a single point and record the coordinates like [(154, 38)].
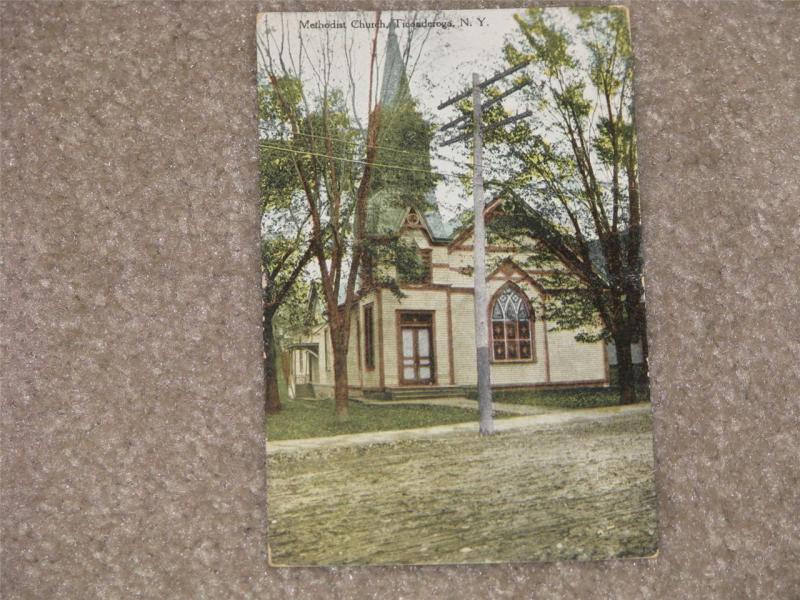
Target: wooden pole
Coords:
[(481, 296), (479, 232)]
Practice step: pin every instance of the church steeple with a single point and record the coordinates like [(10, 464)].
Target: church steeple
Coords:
[(394, 84), (402, 177)]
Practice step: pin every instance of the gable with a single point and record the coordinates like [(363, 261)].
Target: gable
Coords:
[(386, 217), (430, 223), (508, 270)]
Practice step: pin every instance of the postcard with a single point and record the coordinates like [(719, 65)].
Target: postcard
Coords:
[(455, 342)]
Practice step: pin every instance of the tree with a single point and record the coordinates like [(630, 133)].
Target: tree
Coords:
[(574, 187), (285, 251), (319, 140), (338, 168)]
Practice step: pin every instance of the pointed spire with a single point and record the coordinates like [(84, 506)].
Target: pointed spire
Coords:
[(394, 84)]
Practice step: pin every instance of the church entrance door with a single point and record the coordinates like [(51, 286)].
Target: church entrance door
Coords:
[(416, 348)]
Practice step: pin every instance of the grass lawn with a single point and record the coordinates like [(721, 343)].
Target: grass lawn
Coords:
[(586, 397), (568, 398), (306, 418)]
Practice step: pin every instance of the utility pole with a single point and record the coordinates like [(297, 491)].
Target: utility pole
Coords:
[(481, 296), (479, 253)]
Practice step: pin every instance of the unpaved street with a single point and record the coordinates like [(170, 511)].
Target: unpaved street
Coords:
[(577, 490)]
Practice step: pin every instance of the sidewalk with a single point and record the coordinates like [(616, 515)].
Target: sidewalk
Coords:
[(532, 422)]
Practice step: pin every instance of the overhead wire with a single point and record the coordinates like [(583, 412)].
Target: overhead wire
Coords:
[(365, 162), (375, 164), (438, 155)]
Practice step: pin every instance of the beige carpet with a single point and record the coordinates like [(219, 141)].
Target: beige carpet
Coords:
[(133, 451)]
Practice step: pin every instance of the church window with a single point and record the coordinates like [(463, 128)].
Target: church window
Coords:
[(369, 337), (512, 317), (325, 343), (426, 255)]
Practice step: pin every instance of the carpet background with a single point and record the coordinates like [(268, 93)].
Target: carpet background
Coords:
[(132, 447)]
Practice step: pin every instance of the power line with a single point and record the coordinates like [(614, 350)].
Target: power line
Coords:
[(352, 142), (364, 162), (439, 155)]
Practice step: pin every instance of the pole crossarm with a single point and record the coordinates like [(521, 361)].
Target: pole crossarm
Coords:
[(467, 93), (459, 138), (506, 121), (463, 119)]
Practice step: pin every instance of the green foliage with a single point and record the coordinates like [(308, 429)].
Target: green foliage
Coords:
[(608, 41), (573, 308), (404, 254), (402, 178), (402, 172), (295, 316), (490, 116), (276, 100), (404, 139), (548, 44), (277, 177), (573, 163), (318, 141), (394, 251)]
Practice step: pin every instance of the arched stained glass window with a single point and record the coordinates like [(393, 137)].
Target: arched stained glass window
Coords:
[(511, 325)]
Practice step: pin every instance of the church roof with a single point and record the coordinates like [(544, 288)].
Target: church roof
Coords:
[(440, 229), (389, 219)]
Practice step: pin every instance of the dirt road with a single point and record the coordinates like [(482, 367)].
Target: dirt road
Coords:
[(575, 490)]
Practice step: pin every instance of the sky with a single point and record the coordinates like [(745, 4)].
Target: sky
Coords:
[(471, 41)]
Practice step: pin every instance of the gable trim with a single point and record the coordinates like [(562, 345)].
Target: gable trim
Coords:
[(422, 225), (488, 211), (508, 267)]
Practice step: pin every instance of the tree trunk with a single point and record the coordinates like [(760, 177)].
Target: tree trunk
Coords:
[(272, 399), (340, 381), (627, 383)]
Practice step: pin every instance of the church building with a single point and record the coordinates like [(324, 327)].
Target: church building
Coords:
[(422, 341)]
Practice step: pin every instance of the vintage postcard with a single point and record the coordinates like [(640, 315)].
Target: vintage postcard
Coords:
[(455, 345)]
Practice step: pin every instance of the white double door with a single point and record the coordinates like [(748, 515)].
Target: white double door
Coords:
[(417, 366)]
